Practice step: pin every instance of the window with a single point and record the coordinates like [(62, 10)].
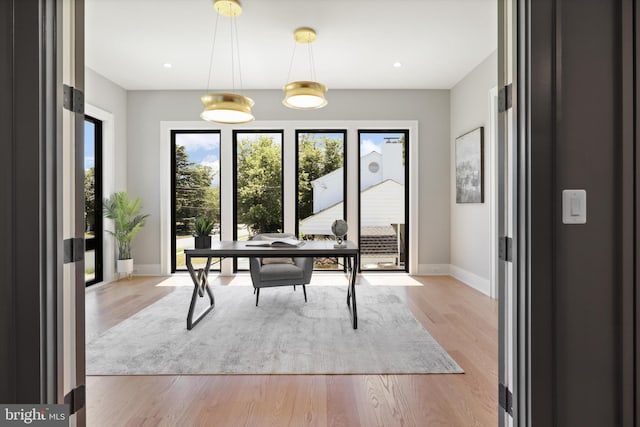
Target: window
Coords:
[(384, 196), (320, 186), (196, 189), (92, 200), (268, 182), (258, 187)]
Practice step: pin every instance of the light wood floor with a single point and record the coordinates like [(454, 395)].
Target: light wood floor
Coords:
[(461, 319)]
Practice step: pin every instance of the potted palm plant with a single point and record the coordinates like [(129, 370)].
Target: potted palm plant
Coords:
[(202, 234), (128, 222)]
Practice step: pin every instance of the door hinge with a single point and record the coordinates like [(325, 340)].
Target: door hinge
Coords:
[(73, 250), (75, 399), (505, 247), (505, 399), (73, 99), (504, 98)]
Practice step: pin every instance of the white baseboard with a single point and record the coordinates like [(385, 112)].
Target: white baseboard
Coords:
[(109, 278), (147, 270), (476, 282), (433, 270)]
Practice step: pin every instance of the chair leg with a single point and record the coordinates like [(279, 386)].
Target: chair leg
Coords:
[(257, 295), (304, 289), (254, 290), (294, 288)]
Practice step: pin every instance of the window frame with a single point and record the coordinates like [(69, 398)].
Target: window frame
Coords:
[(407, 195), (234, 189), (175, 132), (98, 190), (297, 170)]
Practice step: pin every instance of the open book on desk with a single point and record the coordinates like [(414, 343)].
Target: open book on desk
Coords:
[(277, 243)]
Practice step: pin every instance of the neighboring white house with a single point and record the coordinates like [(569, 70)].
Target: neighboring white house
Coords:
[(375, 168), (382, 204), (328, 190)]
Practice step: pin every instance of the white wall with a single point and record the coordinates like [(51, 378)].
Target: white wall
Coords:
[(471, 223), (392, 167), (367, 177), (328, 190), (108, 96), (146, 109), (106, 101)]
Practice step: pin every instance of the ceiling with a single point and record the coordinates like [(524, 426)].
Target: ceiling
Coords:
[(437, 42)]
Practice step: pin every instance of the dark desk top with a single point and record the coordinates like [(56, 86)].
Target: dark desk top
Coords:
[(241, 249)]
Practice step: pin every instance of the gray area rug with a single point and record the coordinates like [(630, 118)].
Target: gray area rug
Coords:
[(283, 335)]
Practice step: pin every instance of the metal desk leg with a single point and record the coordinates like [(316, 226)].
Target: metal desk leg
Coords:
[(352, 286), (350, 271), (200, 286)]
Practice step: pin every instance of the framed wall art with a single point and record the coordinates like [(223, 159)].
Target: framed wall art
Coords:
[(470, 167)]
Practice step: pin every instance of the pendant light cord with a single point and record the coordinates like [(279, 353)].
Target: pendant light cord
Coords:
[(312, 63), (235, 25), (233, 62), (213, 46), (235, 51), (295, 44)]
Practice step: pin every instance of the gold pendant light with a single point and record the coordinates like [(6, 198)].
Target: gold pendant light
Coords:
[(227, 108), (305, 95), (227, 7)]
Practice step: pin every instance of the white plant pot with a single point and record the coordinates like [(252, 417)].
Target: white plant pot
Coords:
[(125, 266)]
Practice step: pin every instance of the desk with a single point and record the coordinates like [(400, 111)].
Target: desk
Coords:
[(237, 249)]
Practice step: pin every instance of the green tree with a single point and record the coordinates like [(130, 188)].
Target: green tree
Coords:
[(90, 199), (259, 184), (316, 158), (194, 195)]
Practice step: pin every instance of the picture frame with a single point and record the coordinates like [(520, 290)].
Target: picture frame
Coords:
[(470, 167)]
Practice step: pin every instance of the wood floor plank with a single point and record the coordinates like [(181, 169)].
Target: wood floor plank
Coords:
[(461, 319)]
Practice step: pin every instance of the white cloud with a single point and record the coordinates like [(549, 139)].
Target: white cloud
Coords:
[(367, 146), (212, 162), (198, 141)]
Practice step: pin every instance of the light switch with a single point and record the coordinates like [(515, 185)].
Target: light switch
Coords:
[(574, 206)]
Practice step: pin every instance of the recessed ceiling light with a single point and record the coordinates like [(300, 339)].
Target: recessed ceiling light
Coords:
[(397, 64), (167, 65)]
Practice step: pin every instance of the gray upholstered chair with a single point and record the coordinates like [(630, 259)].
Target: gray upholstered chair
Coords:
[(270, 272)]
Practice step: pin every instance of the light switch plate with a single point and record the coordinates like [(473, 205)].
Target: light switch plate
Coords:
[(574, 207)]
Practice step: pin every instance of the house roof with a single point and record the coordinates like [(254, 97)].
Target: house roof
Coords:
[(379, 240)]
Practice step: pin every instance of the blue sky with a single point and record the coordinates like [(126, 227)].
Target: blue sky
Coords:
[(89, 145), (203, 148), (373, 141)]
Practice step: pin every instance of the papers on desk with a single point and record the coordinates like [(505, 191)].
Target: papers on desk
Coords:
[(279, 243)]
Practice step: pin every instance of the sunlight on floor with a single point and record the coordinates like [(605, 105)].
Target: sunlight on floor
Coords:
[(319, 278)]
